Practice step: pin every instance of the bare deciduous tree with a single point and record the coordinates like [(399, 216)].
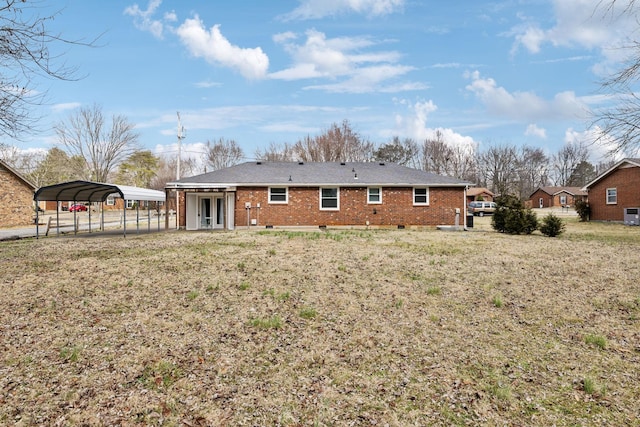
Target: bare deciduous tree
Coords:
[(25, 53), (103, 146), (566, 160), (532, 170), (166, 170), (497, 168), (338, 143), (223, 153), (443, 158), (25, 162), (275, 153), (621, 121), (435, 154)]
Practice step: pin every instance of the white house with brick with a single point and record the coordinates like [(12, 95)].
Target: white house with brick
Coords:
[(317, 194), (16, 197)]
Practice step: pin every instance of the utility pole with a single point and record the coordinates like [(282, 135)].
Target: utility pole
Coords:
[(181, 136)]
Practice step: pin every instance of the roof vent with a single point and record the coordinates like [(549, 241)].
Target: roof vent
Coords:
[(301, 163), (381, 163), (258, 163), (342, 163)]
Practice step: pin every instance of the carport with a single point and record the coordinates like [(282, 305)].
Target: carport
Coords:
[(93, 192)]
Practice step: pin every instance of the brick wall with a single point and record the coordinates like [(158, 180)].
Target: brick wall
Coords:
[(627, 183), (546, 199), (16, 200), (303, 207)]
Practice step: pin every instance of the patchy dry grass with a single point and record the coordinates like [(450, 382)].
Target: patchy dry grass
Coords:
[(333, 328)]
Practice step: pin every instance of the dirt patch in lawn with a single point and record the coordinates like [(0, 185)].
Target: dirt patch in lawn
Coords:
[(336, 327)]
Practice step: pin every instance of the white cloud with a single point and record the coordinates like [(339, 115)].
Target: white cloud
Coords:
[(207, 84), (601, 145), (371, 79), (414, 125), (143, 19), (534, 130), (524, 105), (343, 59), (211, 45), (315, 9), (57, 108), (584, 23)]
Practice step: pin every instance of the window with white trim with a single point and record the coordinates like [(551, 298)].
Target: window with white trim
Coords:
[(111, 201), (374, 195), (612, 196), (278, 195), (329, 199), (563, 200), (421, 196), (130, 204)]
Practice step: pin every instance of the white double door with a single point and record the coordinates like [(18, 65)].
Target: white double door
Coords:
[(205, 212)]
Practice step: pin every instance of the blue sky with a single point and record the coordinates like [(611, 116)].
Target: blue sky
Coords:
[(260, 72)]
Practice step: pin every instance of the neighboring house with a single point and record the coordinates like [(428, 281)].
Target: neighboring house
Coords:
[(272, 194), (614, 190), (549, 197), (16, 198), (479, 193)]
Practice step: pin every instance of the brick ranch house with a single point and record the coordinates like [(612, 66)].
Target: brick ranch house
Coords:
[(479, 193), (549, 197), (281, 194), (16, 198), (614, 190)]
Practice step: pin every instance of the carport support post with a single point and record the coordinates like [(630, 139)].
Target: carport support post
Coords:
[(37, 221), (137, 216), (124, 217), (166, 210), (75, 221), (89, 210)]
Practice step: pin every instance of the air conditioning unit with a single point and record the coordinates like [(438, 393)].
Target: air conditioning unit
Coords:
[(632, 216)]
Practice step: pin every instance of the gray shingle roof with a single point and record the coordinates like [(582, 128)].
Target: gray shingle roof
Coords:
[(317, 173)]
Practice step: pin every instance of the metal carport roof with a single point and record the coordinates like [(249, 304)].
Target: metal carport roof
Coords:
[(87, 191)]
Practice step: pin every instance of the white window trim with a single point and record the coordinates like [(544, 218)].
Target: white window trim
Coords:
[(369, 202), (337, 196), (414, 196), (111, 201), (563, 200), (607, 196), (278, 202)]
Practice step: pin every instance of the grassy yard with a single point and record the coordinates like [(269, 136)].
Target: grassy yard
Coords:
[(335, 328)]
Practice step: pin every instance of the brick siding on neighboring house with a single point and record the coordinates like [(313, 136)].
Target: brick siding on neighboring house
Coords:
[(626, 181), (547, 199), (303, 207), (16, 199), (552, 197)]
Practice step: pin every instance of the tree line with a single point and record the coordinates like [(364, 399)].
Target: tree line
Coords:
[(95, 148)]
